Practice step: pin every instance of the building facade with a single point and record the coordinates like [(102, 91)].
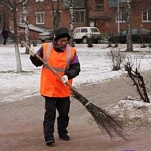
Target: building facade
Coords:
[(4, 18), (108, 15)]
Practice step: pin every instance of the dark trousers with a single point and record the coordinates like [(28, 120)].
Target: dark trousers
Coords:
[(62, 105), (4, 43)]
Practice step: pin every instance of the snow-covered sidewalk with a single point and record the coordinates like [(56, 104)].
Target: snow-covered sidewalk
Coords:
[(95, 68)]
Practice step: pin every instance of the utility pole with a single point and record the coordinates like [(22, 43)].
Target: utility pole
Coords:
[(86, 4), (118, 16), (71, 22), (128, 22)]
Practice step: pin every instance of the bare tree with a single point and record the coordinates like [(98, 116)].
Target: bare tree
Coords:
[(12, 6), (5, 15), (128, 7), (137, 6), (27, 15), (55, 13), (116, 58), (138, 82)]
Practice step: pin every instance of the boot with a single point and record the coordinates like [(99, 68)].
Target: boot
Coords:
[(50, 140), (64, 137)]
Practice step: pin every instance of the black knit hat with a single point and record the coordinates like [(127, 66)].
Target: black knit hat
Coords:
[(61, 33)]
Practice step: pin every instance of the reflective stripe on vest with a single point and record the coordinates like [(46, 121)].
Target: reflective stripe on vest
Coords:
[(48, 51)]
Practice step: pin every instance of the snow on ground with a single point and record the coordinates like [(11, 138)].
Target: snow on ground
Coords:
[(94, 64), (134, 112), (95, 68)]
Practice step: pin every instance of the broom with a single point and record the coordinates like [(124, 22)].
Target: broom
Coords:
[(104, 120)]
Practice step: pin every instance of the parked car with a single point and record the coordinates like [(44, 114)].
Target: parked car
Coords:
[(139, 35), (81, 34), (46, 35)]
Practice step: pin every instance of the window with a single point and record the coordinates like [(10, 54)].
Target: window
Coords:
[(121, 17), (99, 4), (1, 18), (22, 0), (114, 3), (79, 16), (22, 18), (146, 15), (40, 18), (66, 4), (78, 4), (93, 30), (77, 31), (84, 30), (39, 0)]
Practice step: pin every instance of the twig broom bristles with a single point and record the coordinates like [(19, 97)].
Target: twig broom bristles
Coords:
[(105, 121)]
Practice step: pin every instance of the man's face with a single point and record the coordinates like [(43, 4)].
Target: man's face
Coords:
[(62, 41)]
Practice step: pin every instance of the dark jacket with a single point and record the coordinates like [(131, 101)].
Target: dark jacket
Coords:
[(74, 66), (5, 34)]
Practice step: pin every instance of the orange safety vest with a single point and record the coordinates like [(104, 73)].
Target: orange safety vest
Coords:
[(51, 85)]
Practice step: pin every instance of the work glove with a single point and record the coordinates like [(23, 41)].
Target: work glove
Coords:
[(64, 79), (32, 52)]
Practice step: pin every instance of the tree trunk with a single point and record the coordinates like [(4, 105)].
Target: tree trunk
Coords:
[(129, 35), (17, 54), (71, 23), (56, 15)]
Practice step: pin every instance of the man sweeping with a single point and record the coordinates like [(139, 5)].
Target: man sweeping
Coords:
[(63, 58)]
